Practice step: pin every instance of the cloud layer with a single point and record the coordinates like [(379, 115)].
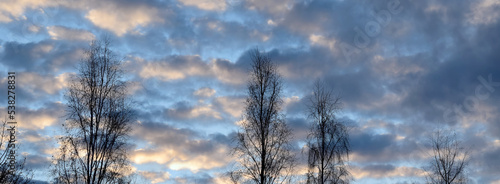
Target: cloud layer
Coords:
[(402, 69)]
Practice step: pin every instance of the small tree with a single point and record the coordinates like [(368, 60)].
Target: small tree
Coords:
[(21, 175), (328, 141), (98, 121), (449, 160), (263, 144)]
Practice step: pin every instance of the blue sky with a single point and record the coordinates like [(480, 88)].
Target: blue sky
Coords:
[(402, 69)]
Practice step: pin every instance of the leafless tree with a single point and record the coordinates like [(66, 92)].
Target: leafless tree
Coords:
[(328, 140), (21, 175), (99, 116), (234, 177), (263, 144), (449, 159)]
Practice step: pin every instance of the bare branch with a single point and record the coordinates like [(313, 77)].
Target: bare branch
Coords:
[(21, 175), (449, 160)]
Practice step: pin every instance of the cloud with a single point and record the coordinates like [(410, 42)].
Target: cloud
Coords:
[(300, 128), (44, 57), (484, 12), (228, 72), (37, 162), (4, 18), (277, 8), (36, 146), (231, 105), (200, 162), (373, 145), (198, 178), (178, 148), (322, 41), (121, 19), (65, 33), (211, 37), (295, 63), (39, 118), (392, 68), (211, 5), (424, 62), (322, 17), (180, 67), (13, 8), (489, 162), (35, 83), (204, 92), (155, 177), (385, 171), (25, 55), (183, 111)]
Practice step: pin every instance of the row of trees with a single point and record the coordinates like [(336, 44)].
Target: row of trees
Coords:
[(263, 144), (99, 116)]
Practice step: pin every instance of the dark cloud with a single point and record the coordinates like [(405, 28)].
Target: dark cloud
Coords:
[(300, 128), (367, 144), (188, 140), (184, 112), (385, 148), (490, 162), (199, 178), (161, 133), (37, 162), (44, 57), (379, 168)]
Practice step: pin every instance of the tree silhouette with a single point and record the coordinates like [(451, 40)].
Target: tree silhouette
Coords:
[(21, 175), (263, 146), (98, 121), (328, 141), (449, 159)]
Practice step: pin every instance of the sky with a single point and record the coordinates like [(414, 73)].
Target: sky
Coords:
[(403, 69)]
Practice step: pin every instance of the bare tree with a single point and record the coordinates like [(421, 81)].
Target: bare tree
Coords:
[(98, 121), (20, 174), (449, 159), (263, 145), (328, 141), (234, 177)]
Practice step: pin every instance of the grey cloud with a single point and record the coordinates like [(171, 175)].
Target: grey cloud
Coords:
[(37, 162), (44, 56), (385, 148), (184, 111), (192, 142), (199, 178), (177, 67), (382, 168), (300, 128), (179, 148), (367, 144), (162, 134)]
